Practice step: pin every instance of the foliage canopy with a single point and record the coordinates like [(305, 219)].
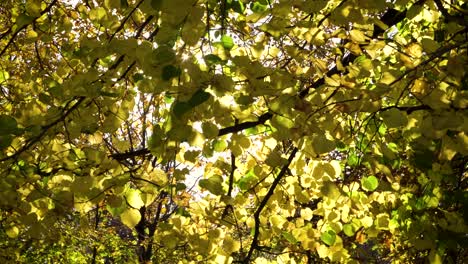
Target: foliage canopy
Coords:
[(233, 131)]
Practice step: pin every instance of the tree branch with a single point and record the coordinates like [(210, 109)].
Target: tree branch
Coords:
[(45, 128), (242, 126), (390, 18), (47, 9), (263, 203)]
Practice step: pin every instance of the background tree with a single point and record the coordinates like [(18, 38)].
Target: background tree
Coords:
[(233, 131)]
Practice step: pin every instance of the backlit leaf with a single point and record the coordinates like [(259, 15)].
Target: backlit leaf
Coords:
[(369, 183), (214, 184), (133, 198), (328, 237), (130, 217), (227, 42)]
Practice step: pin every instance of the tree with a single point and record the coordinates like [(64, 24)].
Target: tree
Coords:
[(233, 131)]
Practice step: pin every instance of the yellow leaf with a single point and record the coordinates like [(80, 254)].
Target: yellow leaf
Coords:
[(12, 232), (367, 221), (130, 217), (434, 257), (448, 149), (333, 81), (277, 221), (158, 176), (134, 199), (230, 245), (357, 36)]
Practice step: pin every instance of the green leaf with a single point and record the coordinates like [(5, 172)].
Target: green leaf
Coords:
[(198, 98), (5, 141), (328, 237), (33, 7), (214, 184), (210, 130), (291, 239), (349, 229), (180, 108), (321, 144), (227, 42), (156, 4), (369, 183), (212, 59), (394, 118), (219, 145), (169, 72), (238, 6), (247, 181), (8, 125), (330, 190), (353, 160), (163, 54), (259, 6)]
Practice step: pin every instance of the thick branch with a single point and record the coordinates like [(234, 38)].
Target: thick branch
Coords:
[(242, 126), (263, 203)]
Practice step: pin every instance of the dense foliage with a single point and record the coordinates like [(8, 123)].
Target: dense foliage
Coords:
[(202, 131)]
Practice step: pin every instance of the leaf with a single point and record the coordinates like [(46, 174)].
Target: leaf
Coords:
[(5, 141), (4, 75), (330, 190), (169, 72), (156, 4), (349, 229), (214, 184), (247, 181), (382, 221), (357, 36), (180, 108), (289, 237), (238, 6), (8, 125), (434, 257), (328, 237), (394, 118), (429, 45), (259, 6), (198, 98), (163, 54), (230, 245), (33, 7), (322, 145), (210, 130), (277, 221), (130, 217), (134, 199), (12, 232), (219, 145), (212, 59), (157, 176), (353, 160), (227, 42), (369, 183)]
